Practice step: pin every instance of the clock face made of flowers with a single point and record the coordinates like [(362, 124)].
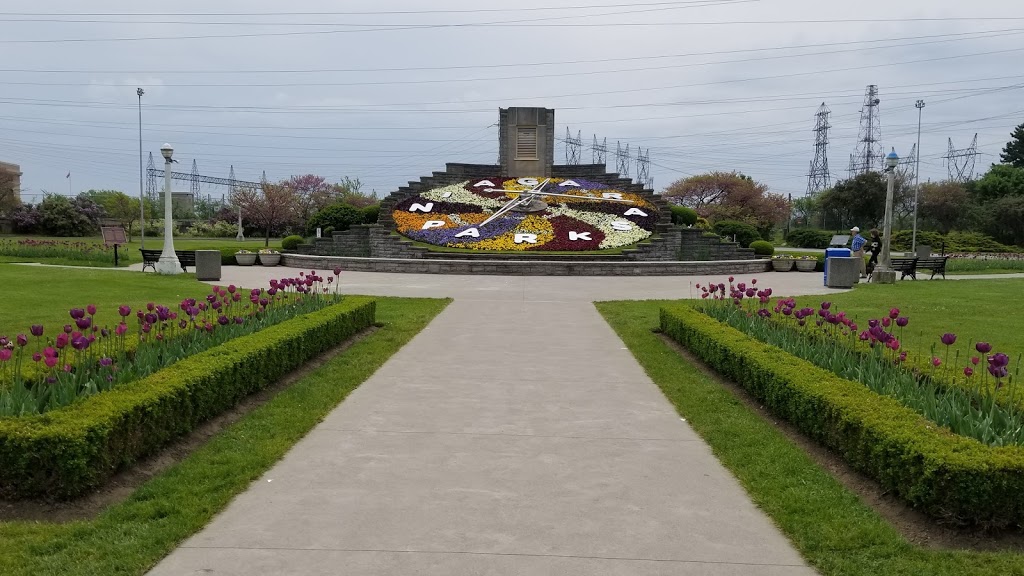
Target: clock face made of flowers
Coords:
[(526, 214)]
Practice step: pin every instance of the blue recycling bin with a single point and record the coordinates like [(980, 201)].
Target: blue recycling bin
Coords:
[(834, 253)]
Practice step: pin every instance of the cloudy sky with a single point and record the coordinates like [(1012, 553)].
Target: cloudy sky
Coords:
[(390, 90)]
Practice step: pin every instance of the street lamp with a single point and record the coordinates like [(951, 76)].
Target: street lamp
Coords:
[(917, 175), (142, 202), (884, 274), (168, 263)]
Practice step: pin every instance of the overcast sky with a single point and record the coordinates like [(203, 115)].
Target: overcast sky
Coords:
[(363, 90)]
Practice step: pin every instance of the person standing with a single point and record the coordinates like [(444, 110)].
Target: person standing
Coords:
[(875, 248), (858, 249)]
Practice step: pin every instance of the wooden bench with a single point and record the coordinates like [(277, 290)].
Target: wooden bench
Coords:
[(151, 257), (936, 264)]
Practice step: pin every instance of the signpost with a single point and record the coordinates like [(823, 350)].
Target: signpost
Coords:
[(114, 235)]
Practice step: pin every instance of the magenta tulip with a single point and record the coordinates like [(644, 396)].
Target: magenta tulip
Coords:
[(948, 339), (91, 309), (36, 330), (983, 347), (124, 310)]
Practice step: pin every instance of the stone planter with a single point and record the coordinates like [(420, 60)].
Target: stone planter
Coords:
[(782, 264), (270, 259), (245, 259), (806, 265)]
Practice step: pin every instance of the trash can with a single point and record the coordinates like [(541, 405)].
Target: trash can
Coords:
[(834, 253), (207, 264)]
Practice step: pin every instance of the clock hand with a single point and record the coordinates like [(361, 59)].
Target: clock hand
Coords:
[(524, 197)]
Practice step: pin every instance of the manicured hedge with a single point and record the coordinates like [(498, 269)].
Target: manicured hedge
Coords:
[(66, 452), (949, 477)]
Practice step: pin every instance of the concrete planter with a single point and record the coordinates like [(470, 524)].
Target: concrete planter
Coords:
[(782, 264), (245, 259), (806, 265), (270, 259)]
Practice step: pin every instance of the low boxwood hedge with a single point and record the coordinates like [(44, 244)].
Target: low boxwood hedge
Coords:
[(66, 452), (952, 478)]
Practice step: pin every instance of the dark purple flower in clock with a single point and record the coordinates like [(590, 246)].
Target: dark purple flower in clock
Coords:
[(902, 321), (216, 305), (36, 330), (822, 312), (264, 302), (948, 339), (77, 313), (151, 318), (999, 359), (742, 286), (983, 347)]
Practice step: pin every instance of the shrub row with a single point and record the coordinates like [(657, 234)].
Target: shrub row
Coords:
[(953, 242), (66, 452), (949, 477), (808, 238)]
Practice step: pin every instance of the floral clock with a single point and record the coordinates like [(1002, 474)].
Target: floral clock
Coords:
[(526, 214)]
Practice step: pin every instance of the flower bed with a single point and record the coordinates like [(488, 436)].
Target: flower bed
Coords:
[(40, 373), (70, 450), (888, 415), (94, 252), (451, 216)]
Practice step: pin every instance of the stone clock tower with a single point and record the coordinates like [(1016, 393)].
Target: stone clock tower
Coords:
[(526, 141)]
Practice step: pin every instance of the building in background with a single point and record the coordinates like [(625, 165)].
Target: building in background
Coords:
[(10, 185)]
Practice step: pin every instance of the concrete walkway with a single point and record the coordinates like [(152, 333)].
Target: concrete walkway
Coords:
[(515, 435)]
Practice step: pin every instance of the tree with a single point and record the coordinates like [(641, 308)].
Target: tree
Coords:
[(312, 193), (62, 216), (857, 201), (271, 207), (806, 209), (1013, 152), (731, 196), (349, 191), (118, 206), (943, 203), (1002, 180), (1003, 219)]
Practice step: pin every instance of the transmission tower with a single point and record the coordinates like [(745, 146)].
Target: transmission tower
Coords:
[(818, 177), (599, 152), (961, 162), (194, 188), (907, 167), (151, 179), (572, 148), (643, 166), (622, 159), (231, 176), (868, 156)]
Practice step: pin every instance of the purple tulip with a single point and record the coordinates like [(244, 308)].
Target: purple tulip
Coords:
[(948, 339), (36, 330), (68, 328), (232, 288), (903, 356), (999, 359), (826, 305), (22, 340), (183, 324), (77, 313), (902, 321), (864, 336), (61, 341), (983, 347), (146, 327), (239, 319), (764, 313), (886, 322), (223, 320), (872, 323), (124, 310), (968, 371), (37, 357), (150, 306), (106, 361), (91, 309), (121, 329), (80, 343), (337, 272), (893, 313), (151, 318), (83, 323), (104, 332)]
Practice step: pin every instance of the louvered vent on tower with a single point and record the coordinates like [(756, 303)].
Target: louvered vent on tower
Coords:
[(526, 143)]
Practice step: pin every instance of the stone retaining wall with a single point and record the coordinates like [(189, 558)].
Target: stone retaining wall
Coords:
[(525, 268)]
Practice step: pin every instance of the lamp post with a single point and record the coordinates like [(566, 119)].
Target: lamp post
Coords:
[(917, 175), (142, 202), (884, 274), (168, 263)]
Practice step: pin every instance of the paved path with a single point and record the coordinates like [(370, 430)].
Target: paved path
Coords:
[(512, 436)]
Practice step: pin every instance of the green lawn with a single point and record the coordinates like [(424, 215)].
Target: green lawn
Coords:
[(43, 295), (837, 533), (131, 537), (988, 310)]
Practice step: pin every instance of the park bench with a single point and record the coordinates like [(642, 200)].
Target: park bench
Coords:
[(151, 257), (905, 266), (936, 264)]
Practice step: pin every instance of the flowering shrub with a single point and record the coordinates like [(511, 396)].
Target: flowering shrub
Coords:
[(941, 387), (568, 224), (63, 249), (41, 372)]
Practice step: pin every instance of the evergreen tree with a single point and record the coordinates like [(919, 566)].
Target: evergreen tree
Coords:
[(1013, 152)]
